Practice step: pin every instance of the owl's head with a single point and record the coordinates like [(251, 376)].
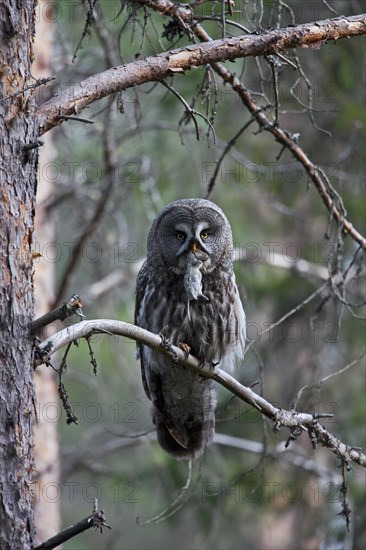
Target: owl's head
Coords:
[(191, 226)]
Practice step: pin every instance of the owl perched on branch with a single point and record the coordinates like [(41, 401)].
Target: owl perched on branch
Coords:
[(186, 290)]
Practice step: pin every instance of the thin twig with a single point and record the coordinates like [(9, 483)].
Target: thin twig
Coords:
[(229, 145), (72, 307), (71, 417), (175, 505), (287, 315), (340, 371), (39, 82), (274, 63), (96, 519), (346, 510), (86, 31), (76, 118), (34, 145), (190, 113), (93, 361)]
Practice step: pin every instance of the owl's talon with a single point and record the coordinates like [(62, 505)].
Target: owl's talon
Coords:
[(167, 345), (185, 348), (164, 339), (213, 365)]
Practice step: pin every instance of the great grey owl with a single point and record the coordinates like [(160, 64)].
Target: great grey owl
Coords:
[(186, 290)]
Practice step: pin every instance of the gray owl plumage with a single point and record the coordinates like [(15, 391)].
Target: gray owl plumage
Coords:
[(186, 289)]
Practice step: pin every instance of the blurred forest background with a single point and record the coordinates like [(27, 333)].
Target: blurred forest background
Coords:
[(106, 181)]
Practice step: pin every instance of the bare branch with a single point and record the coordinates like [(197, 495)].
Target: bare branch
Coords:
[(156, 68), (290, 142), (299, 265), (75, 118), (112, 280), (96, 519), (72, 307), (290, 456), (77, 97), (330, 198), (281, 418)]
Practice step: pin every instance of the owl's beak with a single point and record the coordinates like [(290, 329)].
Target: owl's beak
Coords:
[(198, 251)]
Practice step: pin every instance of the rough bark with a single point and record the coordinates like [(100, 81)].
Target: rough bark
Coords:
[(18, 186), (78, 96)]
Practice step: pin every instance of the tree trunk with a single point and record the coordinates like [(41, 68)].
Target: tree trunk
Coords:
[(18, 188)]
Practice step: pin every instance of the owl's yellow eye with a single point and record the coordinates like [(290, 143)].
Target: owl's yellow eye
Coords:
[(204, 235), (180, 236)]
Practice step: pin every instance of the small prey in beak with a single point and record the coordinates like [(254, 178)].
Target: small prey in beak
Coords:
[(193, 278)]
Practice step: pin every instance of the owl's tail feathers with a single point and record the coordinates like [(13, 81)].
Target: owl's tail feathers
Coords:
[(181, 439), (185, 443)]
